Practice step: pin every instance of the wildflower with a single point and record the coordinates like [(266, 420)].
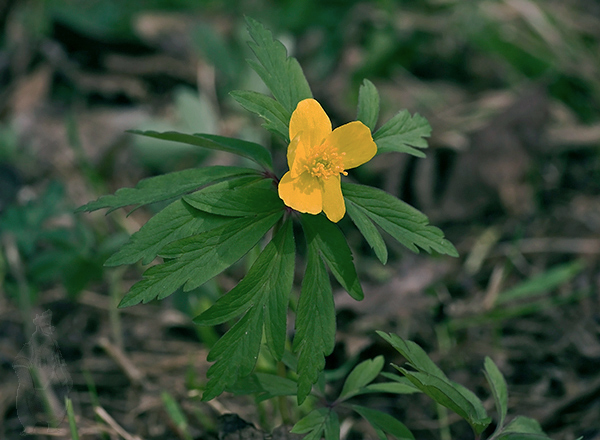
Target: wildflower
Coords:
[(318, 156)]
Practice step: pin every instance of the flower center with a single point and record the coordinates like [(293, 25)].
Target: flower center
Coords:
[(324, 161)]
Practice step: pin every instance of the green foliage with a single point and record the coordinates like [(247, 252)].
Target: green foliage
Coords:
[(165, 187), (403, 134), (275, 116), (280, 73), (315, 322), (403, 222), (218, 214), (262, 296), (249, 150), (368, 105)]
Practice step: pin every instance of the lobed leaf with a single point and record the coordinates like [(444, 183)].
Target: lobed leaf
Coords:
[(249, 150), (368, 230), (277, 119), (176, 221), (363, 374), (198, 258), (280, 73), (266, 285), (237, 198), (401, 133), (315, 322), (313, 423), (264, 386), (384, 422), (368, 104), (331, 244), (164, 187), (403, 222)]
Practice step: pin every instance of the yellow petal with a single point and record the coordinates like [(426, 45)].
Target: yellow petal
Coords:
[(302, 193), (355, 140), (291, 151), (310, 119), (333, 201)]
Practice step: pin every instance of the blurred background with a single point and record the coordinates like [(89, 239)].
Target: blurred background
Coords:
[(512, 91)]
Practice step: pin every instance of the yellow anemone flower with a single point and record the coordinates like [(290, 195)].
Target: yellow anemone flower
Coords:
[(317, 156)]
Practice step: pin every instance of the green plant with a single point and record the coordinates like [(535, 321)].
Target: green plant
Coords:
[(216, 215)]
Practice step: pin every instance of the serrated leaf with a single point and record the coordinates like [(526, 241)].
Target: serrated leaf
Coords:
[(315, 322), (166, 186), (334, 249), (176, 221), (280, 73), (499, 389), (368, 104), (277, 119), (368, 230), (313, 423), (198, 258), (233, 199), (249, 150), (403, 222), (266, 285), (235, 354), (384, 422), (363, 374), (264, 386), (263, 295), (401, 133)]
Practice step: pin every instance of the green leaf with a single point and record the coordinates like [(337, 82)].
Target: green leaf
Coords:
[(332, 245), (233, 199), (250, 150), (368, 104), (389, 387), (176, 221), (384, 422), (235, 354), (403, 222), (368, 230), (198, 258), (452, 396), (266, 285), (430, 379), (315, 322), (363, 374), (414, 354), (401, 133), (523, 428), (176, 414), (332, 426), (277, 119), (166, 186), (281, 74), (263, 295), (313, 423), (499, 390), (264, 386)]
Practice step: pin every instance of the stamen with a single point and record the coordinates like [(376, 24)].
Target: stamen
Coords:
[(325, 161)]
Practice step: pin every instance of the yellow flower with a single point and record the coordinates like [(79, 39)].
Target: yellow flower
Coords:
[(317, 156)]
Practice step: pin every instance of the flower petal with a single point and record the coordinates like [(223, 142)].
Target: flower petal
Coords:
[(355, 140), (333, 201), (310, 118), (302, 193)]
